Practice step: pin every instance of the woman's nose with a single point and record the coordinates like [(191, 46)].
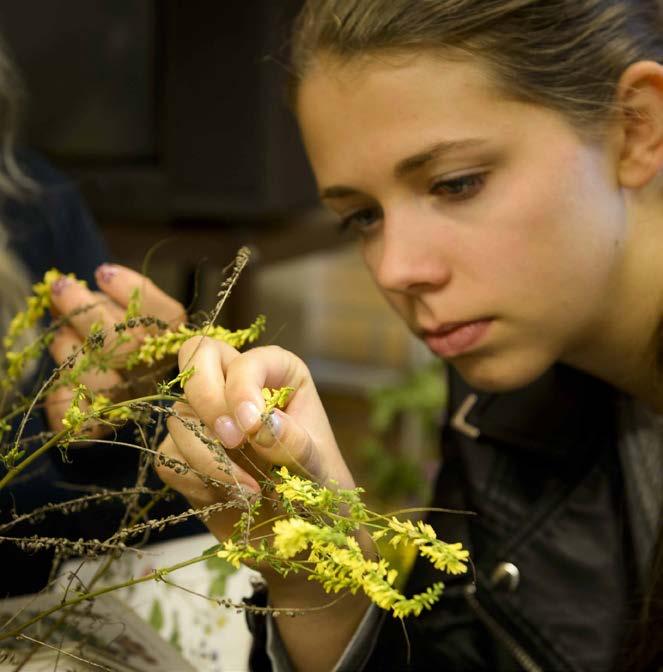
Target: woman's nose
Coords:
[(410, 259)]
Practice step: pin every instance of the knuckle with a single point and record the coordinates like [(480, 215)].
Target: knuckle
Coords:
[(273, 350), (190, 348), (203, 342), (205, 403), (293, 362)]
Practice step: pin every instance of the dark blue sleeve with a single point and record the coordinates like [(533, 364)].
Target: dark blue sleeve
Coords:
[(51, 226)]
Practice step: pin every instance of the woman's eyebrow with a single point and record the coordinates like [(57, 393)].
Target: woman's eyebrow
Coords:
[(409, 164), (337, 191), (416, 161)]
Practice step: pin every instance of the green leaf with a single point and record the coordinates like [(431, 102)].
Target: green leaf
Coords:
[(155, 619), (175, 635), (212, 549), (220, 570)]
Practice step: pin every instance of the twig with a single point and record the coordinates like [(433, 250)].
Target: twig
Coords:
[(62, 651)]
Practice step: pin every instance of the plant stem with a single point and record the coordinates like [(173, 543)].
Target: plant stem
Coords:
[(54, 440)]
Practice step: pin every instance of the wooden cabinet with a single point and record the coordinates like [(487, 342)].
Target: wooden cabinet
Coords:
[(164, 109)]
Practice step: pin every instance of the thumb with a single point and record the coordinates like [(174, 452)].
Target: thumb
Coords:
[(280, 439)]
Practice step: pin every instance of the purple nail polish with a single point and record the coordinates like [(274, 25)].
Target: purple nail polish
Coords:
[(106, 272), (60, 284)]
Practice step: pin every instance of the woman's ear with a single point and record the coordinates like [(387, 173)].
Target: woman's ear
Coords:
[(640, 98)]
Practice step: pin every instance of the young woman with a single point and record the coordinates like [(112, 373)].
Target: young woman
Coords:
[(501, 164)]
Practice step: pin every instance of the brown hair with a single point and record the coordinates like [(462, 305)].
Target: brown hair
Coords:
[(567, 55)]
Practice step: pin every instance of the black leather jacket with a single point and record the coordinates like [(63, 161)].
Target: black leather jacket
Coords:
[(554, 583), (550, 540)]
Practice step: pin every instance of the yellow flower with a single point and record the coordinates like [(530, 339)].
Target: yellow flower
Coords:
[(155, 348), (74, 418), (36, 307), (276, 398)]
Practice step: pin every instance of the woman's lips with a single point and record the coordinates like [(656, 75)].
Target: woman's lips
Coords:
[(450, 342)]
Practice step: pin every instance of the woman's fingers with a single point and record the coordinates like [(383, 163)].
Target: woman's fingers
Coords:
[(173, 470), (169, 466), (82, 307), (226, 392), (299, 438), (56, 405), (66, 345), (282, 440), (115, 311), (119, 282), (205, 390), (197, 448)]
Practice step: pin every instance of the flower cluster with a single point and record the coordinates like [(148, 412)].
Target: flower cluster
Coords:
[(446, 557), (36, 306), (155, 348), (321, 542), (295, 490), (98, 407), (74, 417), (276, 398)]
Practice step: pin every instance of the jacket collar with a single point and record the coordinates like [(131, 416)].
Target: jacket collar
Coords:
[(552, 416)]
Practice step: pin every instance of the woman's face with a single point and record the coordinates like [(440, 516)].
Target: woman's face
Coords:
[(488, 224)]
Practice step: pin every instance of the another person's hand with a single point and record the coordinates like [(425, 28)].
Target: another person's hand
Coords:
[(106, 308), (225, 393)]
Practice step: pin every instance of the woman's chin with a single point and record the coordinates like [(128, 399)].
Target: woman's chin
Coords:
[(501, 373)]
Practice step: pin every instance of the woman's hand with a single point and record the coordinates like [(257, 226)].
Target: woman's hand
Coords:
[(106, 308), (225, 393)]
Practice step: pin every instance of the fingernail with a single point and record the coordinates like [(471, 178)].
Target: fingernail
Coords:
[(269, 432), (228, 431), (60, 284), (106, 272), (247, 415)]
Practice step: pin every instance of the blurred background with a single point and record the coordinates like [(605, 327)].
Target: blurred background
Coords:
[(171, 117)]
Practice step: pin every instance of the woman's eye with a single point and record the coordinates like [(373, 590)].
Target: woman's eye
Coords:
[(360, 221), (459, 188)]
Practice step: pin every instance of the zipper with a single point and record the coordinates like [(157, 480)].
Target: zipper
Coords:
[(517, 651)]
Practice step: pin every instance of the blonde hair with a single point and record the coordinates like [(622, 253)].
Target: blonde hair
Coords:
[(14, 279)]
